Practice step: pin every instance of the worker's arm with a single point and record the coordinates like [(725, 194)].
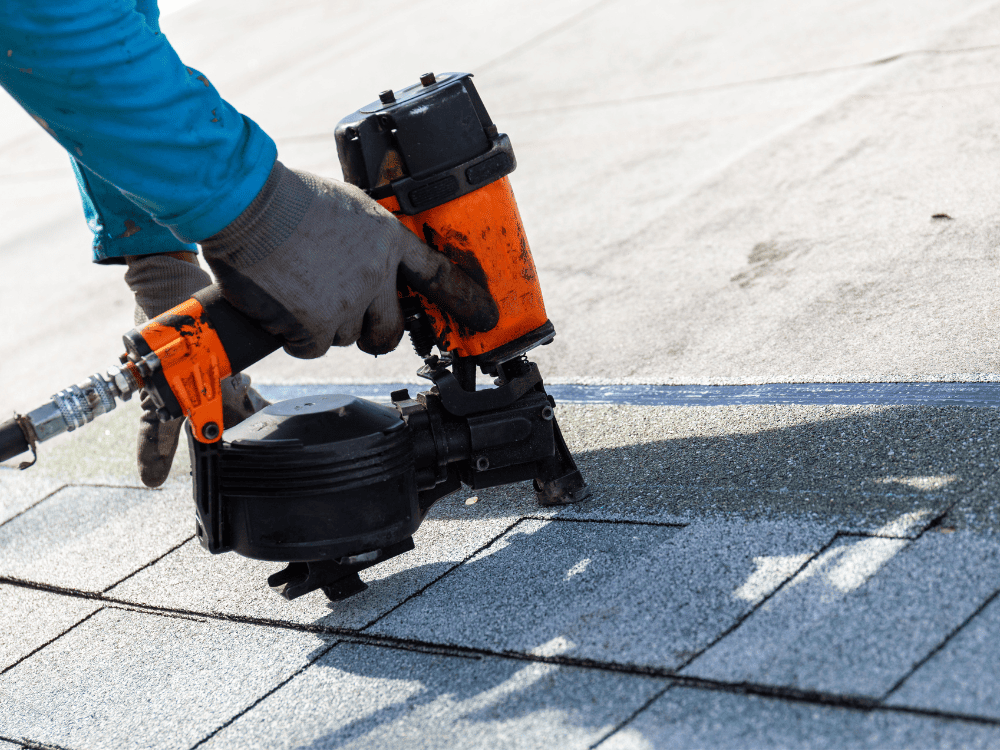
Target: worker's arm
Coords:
[(117, 97), (314, 261)]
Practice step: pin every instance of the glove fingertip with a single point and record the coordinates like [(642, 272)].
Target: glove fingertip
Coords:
[(306, 349), (452, 288), (375, 345), (484, 315), (154, 476)]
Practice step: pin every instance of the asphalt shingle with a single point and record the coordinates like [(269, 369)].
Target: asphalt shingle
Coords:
[(850, 468), (684, 718), (20, 490), (627, 593), (192, 580), (124, 679), (408, 699), (860, 616), (30, 618), (91, 537), (964, 677)]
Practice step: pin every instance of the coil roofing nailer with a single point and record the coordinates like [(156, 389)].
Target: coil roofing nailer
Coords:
[(334, 484)]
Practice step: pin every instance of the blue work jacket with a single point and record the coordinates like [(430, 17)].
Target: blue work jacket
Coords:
[(162, 159)]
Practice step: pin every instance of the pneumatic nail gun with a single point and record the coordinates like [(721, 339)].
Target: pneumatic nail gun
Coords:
[(333, 484)]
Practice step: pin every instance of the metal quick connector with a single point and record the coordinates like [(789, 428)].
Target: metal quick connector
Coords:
[(79, 404)]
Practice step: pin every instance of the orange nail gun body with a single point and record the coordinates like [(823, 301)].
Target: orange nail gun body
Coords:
[(431, 154), (481, 232)]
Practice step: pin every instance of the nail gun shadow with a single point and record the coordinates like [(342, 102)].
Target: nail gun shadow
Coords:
[(860, 469), (430, 700), (891, 471)]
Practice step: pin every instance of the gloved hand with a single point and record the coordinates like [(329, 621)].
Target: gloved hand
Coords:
[(316, 262), (159, 283)]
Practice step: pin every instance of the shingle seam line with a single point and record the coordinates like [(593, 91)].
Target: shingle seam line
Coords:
[(773, 691), (50, 641), (264, 697), (33, 745), (169, 615), (608, 521), (455, 567), (833, 700)]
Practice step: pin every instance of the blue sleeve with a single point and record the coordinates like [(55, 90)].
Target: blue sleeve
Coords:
[(120, 227), (112, 91)]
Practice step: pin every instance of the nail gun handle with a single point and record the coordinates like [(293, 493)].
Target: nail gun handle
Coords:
[(182, 354), (243, 340)]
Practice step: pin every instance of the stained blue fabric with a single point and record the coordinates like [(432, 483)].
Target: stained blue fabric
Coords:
[(153, 141), (120, 227)]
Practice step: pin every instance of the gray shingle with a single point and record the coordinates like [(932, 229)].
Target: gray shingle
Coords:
[(363, 697), (191, 579), (860, 616), (964, 676), (90, 537), (851, 468), (683, 718), (627, 593), (30, 618), (128, 680), (20, 490)]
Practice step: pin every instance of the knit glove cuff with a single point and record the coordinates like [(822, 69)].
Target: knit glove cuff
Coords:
[(267, 222)]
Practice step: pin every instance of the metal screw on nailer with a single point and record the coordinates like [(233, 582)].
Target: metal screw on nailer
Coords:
[(482, 463), (210, 431), (428, 79), (387, 97)]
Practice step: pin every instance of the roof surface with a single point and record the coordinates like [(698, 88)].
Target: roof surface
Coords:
[(716, 193)]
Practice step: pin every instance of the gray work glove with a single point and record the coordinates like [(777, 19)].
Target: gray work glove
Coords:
[(316, 262), (159, 283)]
